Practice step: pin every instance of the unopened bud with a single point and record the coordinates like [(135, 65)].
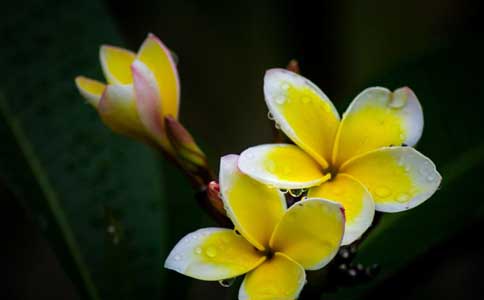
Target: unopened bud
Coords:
[(213, 194), (293, 66), (186, 149)]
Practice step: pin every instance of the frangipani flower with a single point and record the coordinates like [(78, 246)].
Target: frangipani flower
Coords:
[(275, 244), (360, 161), (142, 89)]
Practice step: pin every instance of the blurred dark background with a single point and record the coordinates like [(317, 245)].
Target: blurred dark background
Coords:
[(224, 47)]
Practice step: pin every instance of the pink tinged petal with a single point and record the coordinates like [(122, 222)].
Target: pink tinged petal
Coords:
[(116, 63), (157, 57), (148, 100)]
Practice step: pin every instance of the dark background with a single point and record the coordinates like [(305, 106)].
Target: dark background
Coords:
[(224, 47)]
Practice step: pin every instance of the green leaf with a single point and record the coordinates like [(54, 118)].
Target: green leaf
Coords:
[(445, 83), (80, 179)]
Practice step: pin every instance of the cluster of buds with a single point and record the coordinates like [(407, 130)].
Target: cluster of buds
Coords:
[(141, 100)]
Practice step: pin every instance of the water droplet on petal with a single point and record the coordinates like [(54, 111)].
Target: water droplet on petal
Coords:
[(280, 99), (227, 282), (284, 191), (278, 127), (382, 191), (198, 250), (403, 198), (305, 99), (211, 252), (296, 192), (270, 116)]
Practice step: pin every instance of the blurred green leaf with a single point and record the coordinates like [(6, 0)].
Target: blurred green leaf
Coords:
[(446, 82), (80, 179)]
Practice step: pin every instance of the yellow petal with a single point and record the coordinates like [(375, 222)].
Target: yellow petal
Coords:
[(281, 165), (253, 207), (115, 63), (378, 118), (398, 178), (279, 278), (303, 112), (213, 254), (117, 109), (158, 59), (310, 232), (356, 200), (90, 89)]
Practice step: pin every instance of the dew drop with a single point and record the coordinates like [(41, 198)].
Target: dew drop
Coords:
[(280, 100), (227, 282), (211, 252), (403, 198), (278, 127), (305, 99), (270, 116), (284, 191), (426, 170), (198, 250), (382, 191), (286, 170), (296, 192), (270, 166)]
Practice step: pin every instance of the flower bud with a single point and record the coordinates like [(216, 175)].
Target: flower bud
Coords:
[(189, 155), (293, 66), (213, 194), (141, 89)]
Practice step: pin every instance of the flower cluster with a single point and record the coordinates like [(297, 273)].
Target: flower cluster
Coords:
[(348, 167)]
